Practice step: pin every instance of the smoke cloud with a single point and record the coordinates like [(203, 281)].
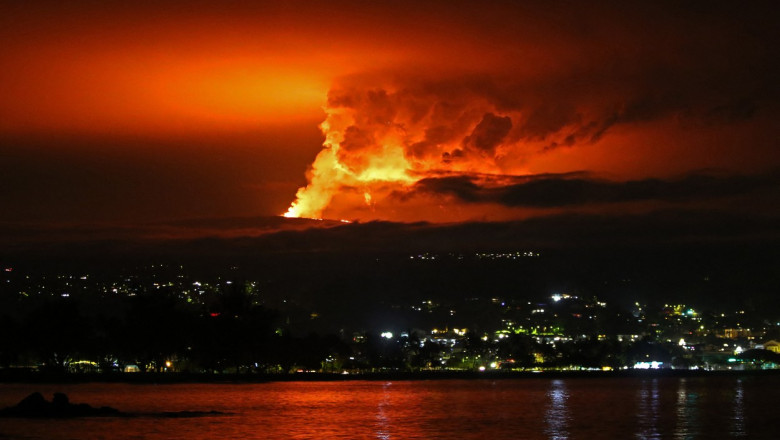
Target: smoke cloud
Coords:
[(391, 134)]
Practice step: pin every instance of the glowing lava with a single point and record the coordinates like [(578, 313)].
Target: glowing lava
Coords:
[(341, 166)]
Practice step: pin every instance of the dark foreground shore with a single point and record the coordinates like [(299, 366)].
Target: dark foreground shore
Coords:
[(9, 376)]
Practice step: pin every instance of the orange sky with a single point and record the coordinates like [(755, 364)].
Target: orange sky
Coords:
[(193, 109)]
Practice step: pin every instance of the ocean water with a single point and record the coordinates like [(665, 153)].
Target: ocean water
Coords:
[(581, 408)]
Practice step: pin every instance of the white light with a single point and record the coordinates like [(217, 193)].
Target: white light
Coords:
[(557, 297), (654, 365), (387, 335)]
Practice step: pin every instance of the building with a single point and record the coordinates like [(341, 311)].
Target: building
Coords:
[(773, 346)]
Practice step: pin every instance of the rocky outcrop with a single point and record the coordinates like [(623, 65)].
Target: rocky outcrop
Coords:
[(35, 405)]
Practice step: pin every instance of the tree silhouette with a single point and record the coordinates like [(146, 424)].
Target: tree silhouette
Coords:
[(56, 332), (156, 329), (234, 333)]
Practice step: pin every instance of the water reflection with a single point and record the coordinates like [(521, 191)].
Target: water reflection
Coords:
[(557, 415), (738, 415), (382, 419), (648, 410), (686, 410), (712, 407)]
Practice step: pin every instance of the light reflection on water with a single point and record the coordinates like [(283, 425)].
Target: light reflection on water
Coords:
[(738, 417), (687, 411), (383, 422), (649, 408), (557, 415), (647, 415)]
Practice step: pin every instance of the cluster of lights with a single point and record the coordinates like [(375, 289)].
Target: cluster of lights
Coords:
[(560, 296), (653, 365), (507, 255), (480, 255)]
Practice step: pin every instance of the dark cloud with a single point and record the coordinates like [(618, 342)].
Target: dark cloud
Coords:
[(563, 191), (740, 109), (488, 133), (547, 120)]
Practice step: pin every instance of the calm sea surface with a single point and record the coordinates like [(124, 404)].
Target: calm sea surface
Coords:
[(613, 408)]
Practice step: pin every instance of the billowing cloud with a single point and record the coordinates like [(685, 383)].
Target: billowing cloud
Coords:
[(488, 134), (386, 133)]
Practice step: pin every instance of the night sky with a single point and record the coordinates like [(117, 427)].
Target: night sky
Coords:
[(495, 124)]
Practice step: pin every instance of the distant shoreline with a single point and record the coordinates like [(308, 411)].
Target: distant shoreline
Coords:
[(175, 378)]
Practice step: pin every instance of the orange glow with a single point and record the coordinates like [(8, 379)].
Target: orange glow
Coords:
[(115, 93), (139, 71), (409, 94), (335, 168), (384, 135), (168, 69), (379, 142)]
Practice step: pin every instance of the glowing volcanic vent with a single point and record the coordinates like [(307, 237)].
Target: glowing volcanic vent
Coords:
[(351, 160), (360, 155)]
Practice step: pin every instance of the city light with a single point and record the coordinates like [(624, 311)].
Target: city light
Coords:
[(653, 365), (546, 334)]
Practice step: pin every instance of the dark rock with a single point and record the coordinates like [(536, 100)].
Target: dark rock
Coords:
[(33, 402), (60, 400), (35, 405)]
